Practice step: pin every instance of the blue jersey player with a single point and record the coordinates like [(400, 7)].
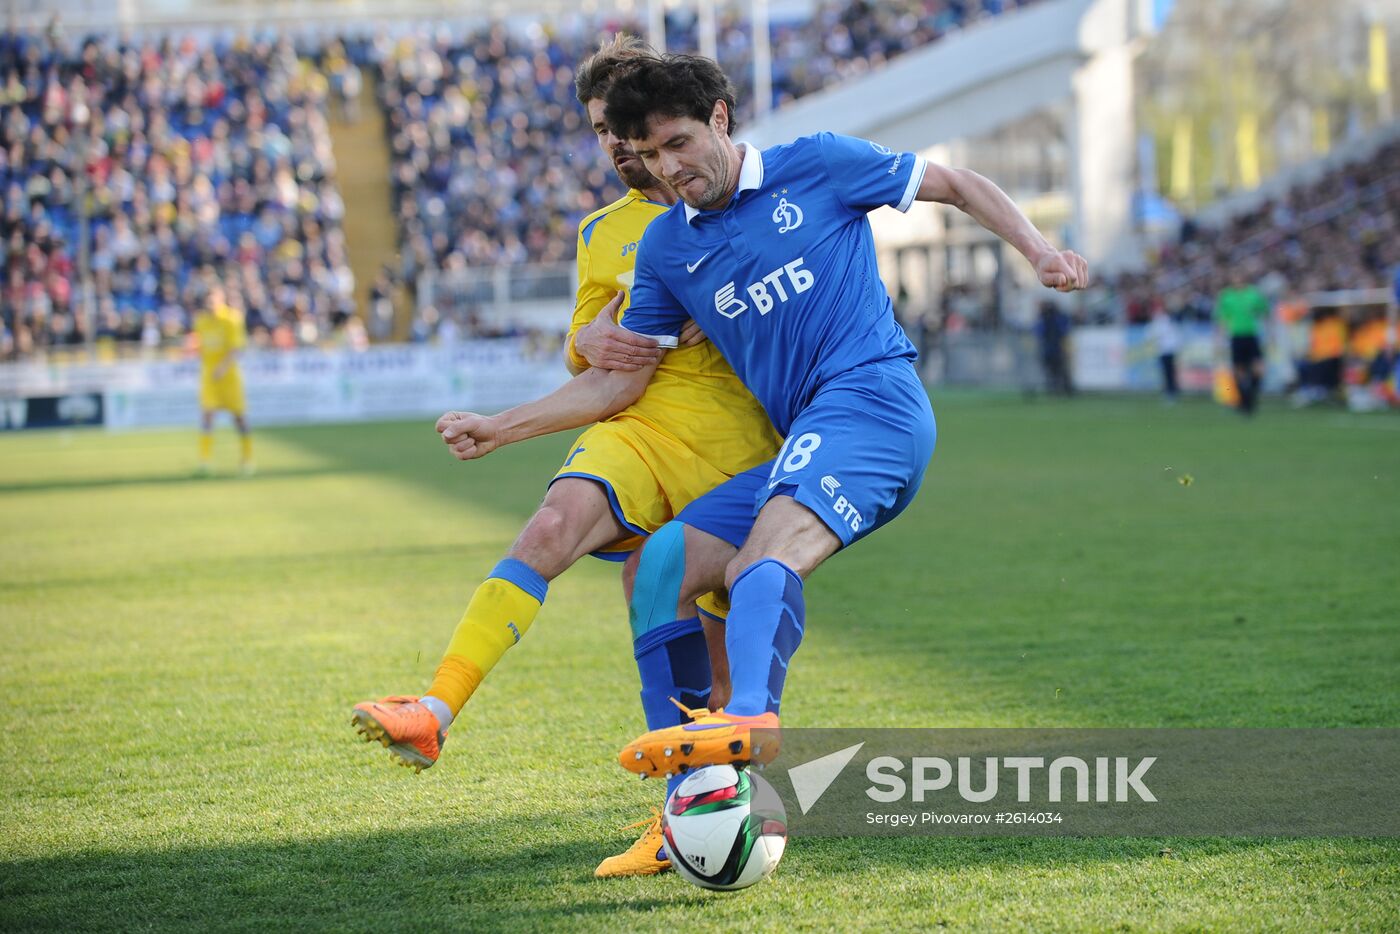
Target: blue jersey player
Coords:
[(771, 254)]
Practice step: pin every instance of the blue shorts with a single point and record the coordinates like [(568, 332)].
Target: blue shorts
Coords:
[(855, 456)]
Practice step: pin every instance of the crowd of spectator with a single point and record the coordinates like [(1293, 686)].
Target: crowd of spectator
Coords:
[(493, 162), (208, 158), (199, 160), (1341, 231)]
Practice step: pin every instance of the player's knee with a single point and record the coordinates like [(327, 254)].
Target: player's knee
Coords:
[(699, 579), (736, 566), (705, 558), (546, 539), (795, 562)]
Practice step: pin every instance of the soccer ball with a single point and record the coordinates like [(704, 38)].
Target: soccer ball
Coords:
[(725, 828)]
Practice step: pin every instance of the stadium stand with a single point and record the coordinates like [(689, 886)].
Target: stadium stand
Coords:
[(494, 165), (210, 155), (1340, 231), (205, 157)]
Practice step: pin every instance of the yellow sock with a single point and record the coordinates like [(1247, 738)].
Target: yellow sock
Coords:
[(500, 612), (206, 446), (246, 442)]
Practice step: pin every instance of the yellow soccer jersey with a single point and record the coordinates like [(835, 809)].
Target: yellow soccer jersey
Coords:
[(220, 333), (694, 426)]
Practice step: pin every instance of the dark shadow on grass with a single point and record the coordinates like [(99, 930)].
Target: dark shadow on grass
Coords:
[(510, 482), (467, 877), (261, 567), (461, 877), (167, 479)]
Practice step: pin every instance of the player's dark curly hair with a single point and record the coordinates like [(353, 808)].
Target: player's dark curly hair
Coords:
[(673, 86), (596, 72)]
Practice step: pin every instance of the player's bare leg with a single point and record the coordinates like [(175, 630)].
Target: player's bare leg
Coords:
[(245, 441), (785, 531), (787, 543), (206, 441), (575, 518)]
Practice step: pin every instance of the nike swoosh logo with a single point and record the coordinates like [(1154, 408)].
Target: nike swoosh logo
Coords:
[(691, 267), (774, 483)]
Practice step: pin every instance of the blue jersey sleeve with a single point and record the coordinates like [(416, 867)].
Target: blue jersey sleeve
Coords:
[(651, 308), (867, 175)]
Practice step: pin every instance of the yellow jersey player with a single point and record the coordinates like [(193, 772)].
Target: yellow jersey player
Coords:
[(221, 335), (693, 428)]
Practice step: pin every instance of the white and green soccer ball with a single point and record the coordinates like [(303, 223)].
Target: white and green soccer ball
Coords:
[(725, 828)]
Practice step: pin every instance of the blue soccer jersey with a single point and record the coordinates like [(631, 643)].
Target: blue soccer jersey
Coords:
[(783, 279)]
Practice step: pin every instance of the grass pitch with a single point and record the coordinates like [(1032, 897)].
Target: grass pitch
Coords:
[(182, 656)]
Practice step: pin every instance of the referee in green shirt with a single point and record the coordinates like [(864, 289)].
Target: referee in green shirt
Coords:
[(1240, 311)]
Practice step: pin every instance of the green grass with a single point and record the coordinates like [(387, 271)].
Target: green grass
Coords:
[(181, 656)]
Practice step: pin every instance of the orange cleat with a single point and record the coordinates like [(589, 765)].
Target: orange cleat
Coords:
[(710, 739), (404, 725), (646, 857)]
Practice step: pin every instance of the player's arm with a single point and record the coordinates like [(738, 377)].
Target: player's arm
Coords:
[(586, 303), (595, 338), (1218, 317), (230, 359), (592, 396), (991, 207), (605, 343), (236, 340)]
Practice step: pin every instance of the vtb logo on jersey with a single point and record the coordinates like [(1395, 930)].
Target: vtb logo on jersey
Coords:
[(777, 287), (727, 303), (787, 215)]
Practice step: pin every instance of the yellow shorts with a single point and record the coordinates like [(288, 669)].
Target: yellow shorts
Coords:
[(649, 476), (714, 605), (225, 393)]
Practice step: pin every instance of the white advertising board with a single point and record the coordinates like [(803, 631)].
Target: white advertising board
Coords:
[(307, 386)]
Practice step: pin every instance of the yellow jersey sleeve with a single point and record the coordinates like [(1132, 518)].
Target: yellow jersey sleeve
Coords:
[(607, 253), (588, 301)]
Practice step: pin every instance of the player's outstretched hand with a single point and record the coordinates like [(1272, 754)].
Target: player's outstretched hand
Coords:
[(1064, 270), (609, 346), (469, 435), (691, 334)]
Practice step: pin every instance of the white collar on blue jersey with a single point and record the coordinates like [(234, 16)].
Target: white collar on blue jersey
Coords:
[(750, 175)]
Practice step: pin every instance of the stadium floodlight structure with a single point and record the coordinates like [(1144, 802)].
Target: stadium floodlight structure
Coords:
[(1072, 57), (707, 38)]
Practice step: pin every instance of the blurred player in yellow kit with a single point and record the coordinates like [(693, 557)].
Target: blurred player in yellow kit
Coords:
[(694, 426), (221, 334)]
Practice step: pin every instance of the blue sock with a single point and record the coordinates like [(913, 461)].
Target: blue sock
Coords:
[(765, 627), (673, 661)]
